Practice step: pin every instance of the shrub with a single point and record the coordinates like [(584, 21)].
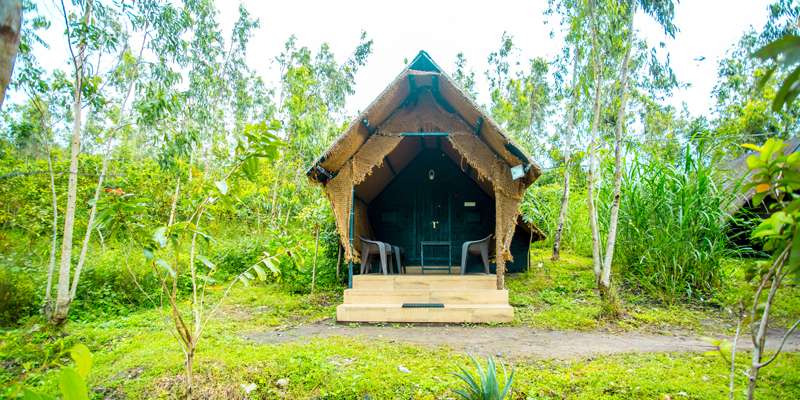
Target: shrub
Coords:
[(542, 204), (107, 288), (18, 295), (672, 234)]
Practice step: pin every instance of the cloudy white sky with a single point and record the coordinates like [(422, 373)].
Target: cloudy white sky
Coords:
[(708, 28)]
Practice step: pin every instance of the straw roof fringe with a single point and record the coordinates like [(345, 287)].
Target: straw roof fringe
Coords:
[(421, 72)]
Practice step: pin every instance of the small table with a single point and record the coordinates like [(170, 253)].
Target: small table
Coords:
[(436, 243)]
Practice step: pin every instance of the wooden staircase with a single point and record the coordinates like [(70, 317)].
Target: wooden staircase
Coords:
[(428, 298)]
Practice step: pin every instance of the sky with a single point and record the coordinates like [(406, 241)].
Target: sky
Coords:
[(707, 29)]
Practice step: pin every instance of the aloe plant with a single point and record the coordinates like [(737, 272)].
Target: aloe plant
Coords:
[(485, 384)]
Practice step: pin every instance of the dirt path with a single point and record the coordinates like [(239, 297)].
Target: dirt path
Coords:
[(512, 341)]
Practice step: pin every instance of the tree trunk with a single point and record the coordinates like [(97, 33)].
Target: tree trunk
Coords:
[(760, 334), (500, 264), (338, 261), (90, 223), (51, 266), (605, 279), (10, 27), (596, 257), (189, 372), (63, 292), (732, 378), (316, 251), (562, 215)]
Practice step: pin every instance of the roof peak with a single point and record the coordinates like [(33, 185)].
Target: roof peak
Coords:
[(424, 62)]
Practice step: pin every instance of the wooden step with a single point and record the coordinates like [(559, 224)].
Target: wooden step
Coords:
[(446, 296), (451, 313), (430, 282)]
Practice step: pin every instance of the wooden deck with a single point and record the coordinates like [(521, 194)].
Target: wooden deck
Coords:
[(469, 298)]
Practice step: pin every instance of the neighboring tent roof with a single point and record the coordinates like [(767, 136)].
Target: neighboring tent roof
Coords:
[(737, 173), (422, 72)]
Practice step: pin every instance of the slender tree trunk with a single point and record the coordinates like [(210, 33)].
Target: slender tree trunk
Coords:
[(562, 215), (189, 373), (90, 223), (500, 264), (598, 81), (605, 279), (760, 333), (10, 26), (316, 252), (732, 378), (338, 261), (51, 266), (63, 289)]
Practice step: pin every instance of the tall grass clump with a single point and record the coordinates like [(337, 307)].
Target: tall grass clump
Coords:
[(541, 206), (672, 234)]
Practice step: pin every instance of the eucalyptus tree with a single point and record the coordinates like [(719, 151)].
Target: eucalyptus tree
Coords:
[(465, 77), (91, 29), (520, 96), (11, 26), (613, 38), (310, 108), (573, 17), (123, 36), (746, 87)]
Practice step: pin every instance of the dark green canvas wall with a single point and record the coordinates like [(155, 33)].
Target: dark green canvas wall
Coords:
[(433, 200)]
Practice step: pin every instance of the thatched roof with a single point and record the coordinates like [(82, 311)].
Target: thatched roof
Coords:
[(737, 173), (422, 108), (421, 75)]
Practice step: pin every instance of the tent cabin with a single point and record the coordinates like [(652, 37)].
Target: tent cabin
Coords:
[(423, 168), (743, 213)]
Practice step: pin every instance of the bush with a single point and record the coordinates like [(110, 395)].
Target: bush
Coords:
[(542, 204), (18, 296), (672, 234), (107, 288)]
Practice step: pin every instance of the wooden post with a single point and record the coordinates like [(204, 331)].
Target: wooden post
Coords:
[(350, 236)]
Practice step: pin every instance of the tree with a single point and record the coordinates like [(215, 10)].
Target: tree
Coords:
[(59, 312), (568, 133), (520, 98), (775, 175), (10, 25), (101, 29), (465, 77), (617, 18)]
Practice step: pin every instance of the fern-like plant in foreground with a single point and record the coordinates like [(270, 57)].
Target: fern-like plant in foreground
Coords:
[(485, 384)]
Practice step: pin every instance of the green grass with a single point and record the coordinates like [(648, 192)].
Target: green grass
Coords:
[(136, 357), (561, 296)]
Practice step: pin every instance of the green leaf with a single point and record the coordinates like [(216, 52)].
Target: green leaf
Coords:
[(148, 253), (222, 186), (83, 359), (754, 162), (778, 46), (788, 90), (260, 272), (206, 262), (160, 236), (163, 264), (267, 261), (250, 168), (751, 146), (72, 386), (28, 394)]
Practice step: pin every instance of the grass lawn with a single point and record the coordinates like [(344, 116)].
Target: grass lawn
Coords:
[(136, 357)]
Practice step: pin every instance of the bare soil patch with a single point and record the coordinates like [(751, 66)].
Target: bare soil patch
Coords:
[(513, 342)]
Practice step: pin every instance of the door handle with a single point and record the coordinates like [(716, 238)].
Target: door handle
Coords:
[(435, 224)]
